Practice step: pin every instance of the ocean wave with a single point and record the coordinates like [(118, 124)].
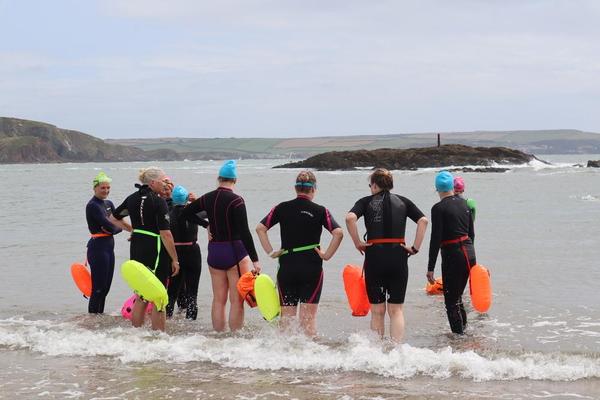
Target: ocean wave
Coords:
[(360, 353)]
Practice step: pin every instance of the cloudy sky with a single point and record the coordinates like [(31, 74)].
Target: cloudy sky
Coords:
[(267, 68)]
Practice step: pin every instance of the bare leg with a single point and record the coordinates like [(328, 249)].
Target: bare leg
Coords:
[(396, 313), (138, 313), (219, 287), (377, 318), (159, 319), (236, 310), (287, 314), (308, 319)]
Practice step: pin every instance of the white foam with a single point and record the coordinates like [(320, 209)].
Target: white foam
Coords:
[(359, 354), (548, 323)]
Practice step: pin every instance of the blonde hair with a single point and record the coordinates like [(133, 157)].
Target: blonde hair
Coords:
[(382, 178), (306, 182), (150, 174)]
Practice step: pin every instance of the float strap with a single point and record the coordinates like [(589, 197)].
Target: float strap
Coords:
[(99, 235), (386, 240), (301, 248), (157, 236), (185, 243), (454, 241)]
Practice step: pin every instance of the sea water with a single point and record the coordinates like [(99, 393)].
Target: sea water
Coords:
[(537, 230)]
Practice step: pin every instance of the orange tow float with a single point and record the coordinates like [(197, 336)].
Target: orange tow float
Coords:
[(356, 290), (435, 288), (481, 288), (82, 278)]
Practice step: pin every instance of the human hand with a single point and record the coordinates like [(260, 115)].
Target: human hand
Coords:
[(192, 197), (362, 246), (257, 268), (409, 250), (322, 254), (430, 277), (276, 254), (174, 268)]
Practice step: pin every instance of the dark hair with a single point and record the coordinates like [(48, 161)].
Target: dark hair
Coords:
[(221, 179), (382, 178), (306, 182)]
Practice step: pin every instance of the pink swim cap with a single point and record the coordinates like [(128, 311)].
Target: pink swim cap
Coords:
[(459, 184)]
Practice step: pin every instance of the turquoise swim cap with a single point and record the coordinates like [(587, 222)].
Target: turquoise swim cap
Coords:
[(228, 170), (179, 195), (444, 181)]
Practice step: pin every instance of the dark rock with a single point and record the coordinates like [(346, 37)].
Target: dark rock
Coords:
[(593, 164), (410, 159), (484, 169)]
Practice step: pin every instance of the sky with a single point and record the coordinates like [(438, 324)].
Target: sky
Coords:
[(298, 68)]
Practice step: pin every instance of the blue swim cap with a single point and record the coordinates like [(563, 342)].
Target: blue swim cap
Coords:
[(444, 181), (179, 195), (228, 170)]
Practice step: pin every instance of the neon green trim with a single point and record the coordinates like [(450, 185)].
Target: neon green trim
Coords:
[(301, 248), (101, 178), (157, 236)]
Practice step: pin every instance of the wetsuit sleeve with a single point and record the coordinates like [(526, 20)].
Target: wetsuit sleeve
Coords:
[(241, 218), (200, 219), (472, 227), (272, 218), (328, 222), (111, 227), (121, 211), (162, 215), (359, 207), (436, 236), (412, 211), (96, 213), (191, 210)]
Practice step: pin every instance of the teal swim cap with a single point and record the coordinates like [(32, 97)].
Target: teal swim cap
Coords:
[(101, 178), (228, 170), (179, 195), (444, 181)]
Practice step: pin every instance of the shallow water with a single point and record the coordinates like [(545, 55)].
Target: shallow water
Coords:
[(537, 230)]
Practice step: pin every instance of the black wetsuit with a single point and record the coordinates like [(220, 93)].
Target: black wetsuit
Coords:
[(386, 264), (147, 212), (300, 275), (185, 235), (228, 221), (100, 251), (451, 220)]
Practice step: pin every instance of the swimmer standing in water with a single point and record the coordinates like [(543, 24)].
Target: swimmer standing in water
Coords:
[(300, 274)]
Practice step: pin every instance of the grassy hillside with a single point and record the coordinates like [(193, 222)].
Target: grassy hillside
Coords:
[(537, 142)]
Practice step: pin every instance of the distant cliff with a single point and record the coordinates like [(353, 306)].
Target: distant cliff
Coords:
[(407, 159), (24, 141)]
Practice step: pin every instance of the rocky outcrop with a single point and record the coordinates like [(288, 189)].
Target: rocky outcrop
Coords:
[(593, 164), (410, 159)]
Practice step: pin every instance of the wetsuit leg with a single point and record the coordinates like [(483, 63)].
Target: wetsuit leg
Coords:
[(100, 257), (300, 278), (386, 273), (455, 274), (175, 286), (193, 261)]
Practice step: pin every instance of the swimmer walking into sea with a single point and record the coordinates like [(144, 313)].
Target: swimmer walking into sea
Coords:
[(300, 274), (386, 252), (231, 251)]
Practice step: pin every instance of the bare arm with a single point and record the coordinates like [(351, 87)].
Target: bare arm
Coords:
[(120, 223), (419, 235), (338, 235), (261, 231), (351, 219), (167, 238)]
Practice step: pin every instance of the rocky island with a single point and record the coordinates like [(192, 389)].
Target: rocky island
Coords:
[(486, 159)]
